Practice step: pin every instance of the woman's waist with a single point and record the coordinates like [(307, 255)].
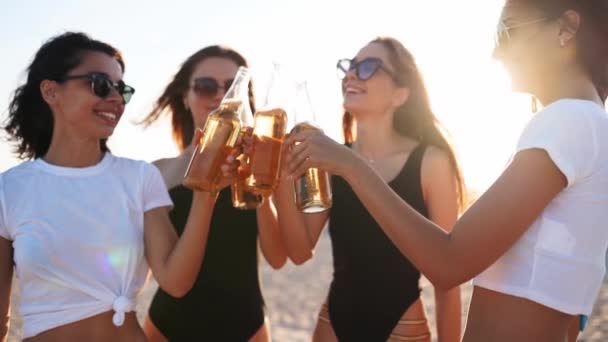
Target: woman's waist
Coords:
[(514, 314), (98, 328)]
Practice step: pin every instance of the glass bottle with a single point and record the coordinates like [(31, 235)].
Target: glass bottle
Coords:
[(242, 196), (313, 189), (269, 128), (218, 137)]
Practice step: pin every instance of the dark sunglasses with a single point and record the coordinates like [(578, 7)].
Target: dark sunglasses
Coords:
[(102, 85), (364, 69), (209, 86)]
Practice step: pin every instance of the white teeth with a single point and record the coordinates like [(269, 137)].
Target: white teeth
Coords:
[(353, 90), (109, 116)]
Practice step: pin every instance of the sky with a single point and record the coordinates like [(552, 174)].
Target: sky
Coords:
[(452, 42)]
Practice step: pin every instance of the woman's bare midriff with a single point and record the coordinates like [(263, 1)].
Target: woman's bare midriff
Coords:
[(412, 324), (498, 317), (98, 328)]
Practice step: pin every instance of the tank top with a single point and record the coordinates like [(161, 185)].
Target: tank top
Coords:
[(373, 283), (225, 303)]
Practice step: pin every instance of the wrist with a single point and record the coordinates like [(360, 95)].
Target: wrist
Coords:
[(351, 165)]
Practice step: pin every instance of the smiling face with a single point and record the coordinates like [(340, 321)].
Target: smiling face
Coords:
[(376, 94), (220, 69), (77, 110)]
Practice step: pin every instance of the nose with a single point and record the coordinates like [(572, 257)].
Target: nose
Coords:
[(115, 97), (350, 75), (220, 94)]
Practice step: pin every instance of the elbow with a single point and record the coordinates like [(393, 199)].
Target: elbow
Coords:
[(277, 263), (300, 258), (444, 281), (177, 290)]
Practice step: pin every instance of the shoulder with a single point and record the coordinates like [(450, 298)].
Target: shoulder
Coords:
[(569, 114), (19, 173), (436, 171), (435, 160), (172, 169)]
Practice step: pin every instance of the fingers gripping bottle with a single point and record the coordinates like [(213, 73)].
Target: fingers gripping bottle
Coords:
[(313, 189)]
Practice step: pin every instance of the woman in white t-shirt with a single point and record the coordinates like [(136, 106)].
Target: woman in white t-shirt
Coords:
[(536, 240), (79, 225)]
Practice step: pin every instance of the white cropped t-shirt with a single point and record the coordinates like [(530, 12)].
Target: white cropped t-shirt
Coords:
[(77, 235), (559, 261)]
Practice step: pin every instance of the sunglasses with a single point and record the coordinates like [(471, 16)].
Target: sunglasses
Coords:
[(209, 87), (102, 85), (364, 69), (503, 34)]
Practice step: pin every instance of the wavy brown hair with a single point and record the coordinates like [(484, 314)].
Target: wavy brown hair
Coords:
[(171, 101), (415, 118)]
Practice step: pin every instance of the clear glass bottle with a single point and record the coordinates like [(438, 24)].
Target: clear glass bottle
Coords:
[(269, 128), (313, 189), (242, 196), (218, 137)]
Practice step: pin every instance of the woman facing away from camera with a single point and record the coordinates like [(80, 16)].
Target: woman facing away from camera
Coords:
[(389, 124), (535, 241), (225, 303), (79, 226)]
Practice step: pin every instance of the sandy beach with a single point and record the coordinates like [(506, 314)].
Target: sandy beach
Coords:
[(294, 293)]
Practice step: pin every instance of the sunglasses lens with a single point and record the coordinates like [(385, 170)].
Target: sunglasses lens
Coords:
[(206, 86), (126, 92), (367, 68), (102, 87), (342, 67), (227, 85), (502, 34)]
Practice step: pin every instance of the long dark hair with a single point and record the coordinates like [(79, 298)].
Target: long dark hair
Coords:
[(171, 100), (591, 37), (415, 118), (30, 119)]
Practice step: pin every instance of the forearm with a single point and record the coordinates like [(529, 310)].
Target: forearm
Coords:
[(424, 243), (448, 314), (183, 263), (293, 230), (270, 238)]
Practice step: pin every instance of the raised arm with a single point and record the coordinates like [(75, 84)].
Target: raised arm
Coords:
[(6, 278), (497, 219), (441, 197), (300, 232), (271, 243), (174, 262)]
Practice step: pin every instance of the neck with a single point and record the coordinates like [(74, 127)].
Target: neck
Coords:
[(73, 151), (376, 137), (569, 82)]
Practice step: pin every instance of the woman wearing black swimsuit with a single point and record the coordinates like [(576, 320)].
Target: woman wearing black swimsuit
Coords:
[(225, 303), (375, 295)]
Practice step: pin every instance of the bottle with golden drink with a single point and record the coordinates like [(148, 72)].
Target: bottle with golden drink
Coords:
[(313, 189), (218, 137), (242, 197), (269, 128)]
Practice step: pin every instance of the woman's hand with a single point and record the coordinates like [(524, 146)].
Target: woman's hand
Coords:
[(312, 148)]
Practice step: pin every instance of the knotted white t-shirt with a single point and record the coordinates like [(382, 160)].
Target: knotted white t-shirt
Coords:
[(77, 235)]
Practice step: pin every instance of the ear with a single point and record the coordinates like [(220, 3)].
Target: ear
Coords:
[(569, 25), (48, 90), (400, 96)]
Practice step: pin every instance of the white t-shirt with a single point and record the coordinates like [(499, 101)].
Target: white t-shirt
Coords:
[(77, 235), (559, 261)]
